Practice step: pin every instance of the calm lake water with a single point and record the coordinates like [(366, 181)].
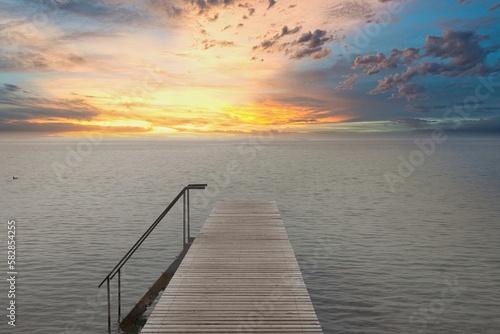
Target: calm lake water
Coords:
[(424, 258)]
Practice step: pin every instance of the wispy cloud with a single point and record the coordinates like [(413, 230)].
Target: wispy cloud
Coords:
[(234, 66), (494, 6)]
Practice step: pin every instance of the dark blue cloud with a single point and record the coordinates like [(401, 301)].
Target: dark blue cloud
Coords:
[(28, 127), (494, 6), (38, 60), (9, 88), (491, 124), (464, 126), (18, 106), (79, 13), (309, 44), (457, 54), (204, 5)]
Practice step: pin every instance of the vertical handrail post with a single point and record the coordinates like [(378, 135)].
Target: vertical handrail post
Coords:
[(188, 220), (184, 219), (119, 295), (109, 307)]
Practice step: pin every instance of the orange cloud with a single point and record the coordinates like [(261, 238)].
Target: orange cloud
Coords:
[(182, 66), (276, 114)]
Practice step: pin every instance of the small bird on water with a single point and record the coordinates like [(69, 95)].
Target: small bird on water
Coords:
[(14, 177)]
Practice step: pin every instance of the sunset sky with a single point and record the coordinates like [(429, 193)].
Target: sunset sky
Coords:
[(166, 68)]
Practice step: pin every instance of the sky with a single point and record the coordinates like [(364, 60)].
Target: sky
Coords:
[(205, 68)]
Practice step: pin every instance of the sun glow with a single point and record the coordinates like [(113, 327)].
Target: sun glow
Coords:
[(213, 69)]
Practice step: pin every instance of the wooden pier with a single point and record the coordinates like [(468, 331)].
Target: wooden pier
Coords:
[(240, 275)]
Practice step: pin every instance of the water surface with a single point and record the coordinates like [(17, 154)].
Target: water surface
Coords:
[(422, 259)]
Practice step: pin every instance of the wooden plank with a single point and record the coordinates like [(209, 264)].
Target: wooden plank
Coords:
[(239, 276)]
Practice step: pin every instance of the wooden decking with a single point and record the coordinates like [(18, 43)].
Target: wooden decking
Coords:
[(239, 276)]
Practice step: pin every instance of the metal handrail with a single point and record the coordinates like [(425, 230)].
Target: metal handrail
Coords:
[(117, 269)]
